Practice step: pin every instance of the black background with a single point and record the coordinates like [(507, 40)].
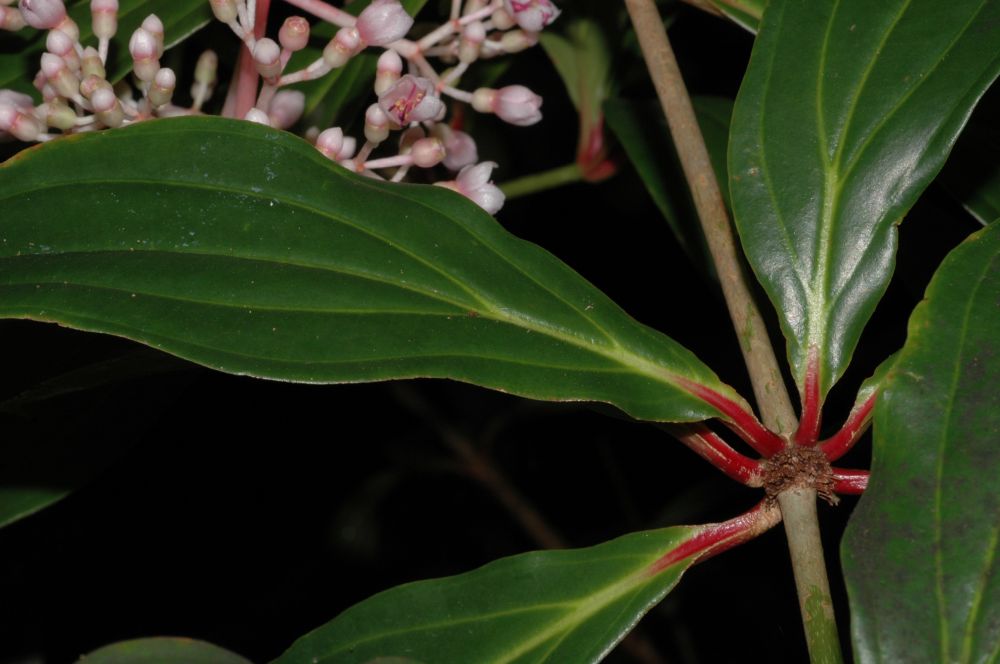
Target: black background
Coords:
[(248, 512)]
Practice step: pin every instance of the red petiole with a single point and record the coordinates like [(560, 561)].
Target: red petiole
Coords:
[(742, 422), (809, 423), (716, 538), (850, 481), (841, 442), (709, 446)]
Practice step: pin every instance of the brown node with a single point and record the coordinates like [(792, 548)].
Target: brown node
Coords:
[(799, 466)]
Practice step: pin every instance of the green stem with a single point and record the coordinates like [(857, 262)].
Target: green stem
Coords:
[(798, 509), (530, 184)]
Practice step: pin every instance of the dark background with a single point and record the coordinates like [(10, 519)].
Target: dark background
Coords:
[(247, 512)]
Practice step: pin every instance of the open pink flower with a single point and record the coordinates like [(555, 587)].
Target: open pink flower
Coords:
[(383, 22), (532, 15), (474, 183), (411, 99)]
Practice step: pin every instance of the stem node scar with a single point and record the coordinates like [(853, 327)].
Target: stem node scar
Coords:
[(799, 467)]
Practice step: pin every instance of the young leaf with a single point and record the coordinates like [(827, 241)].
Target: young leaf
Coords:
[(546, 606), (244, 249), (744, 13), (920, 553), (847, 111), (162, 650), (181, 18)]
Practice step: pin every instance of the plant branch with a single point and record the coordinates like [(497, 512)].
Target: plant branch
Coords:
[(798, 505), (530, 184), (798, 509), (765, 375)]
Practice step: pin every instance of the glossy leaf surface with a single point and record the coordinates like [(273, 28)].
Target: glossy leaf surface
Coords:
[(180, 19), (244, 249), (162, 650), (920, 553), (847, 112), (546, 606)]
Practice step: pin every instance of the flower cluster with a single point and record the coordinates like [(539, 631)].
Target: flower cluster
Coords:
[(411, 93)]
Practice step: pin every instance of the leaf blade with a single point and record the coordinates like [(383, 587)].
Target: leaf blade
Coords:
[(244, 249), (534, 607), (920, 550), (846, 113), (162, 650)]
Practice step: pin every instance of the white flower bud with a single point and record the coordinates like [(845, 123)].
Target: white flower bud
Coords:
[(427, 152), (267, 58), (104, 18), (376, 124), (162, 89), (258, 116), (286, 108), (383, 22), (294, 33), (387, 71), (224, 10)]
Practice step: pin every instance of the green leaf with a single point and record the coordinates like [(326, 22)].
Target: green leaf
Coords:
[(642, 130), (744, 13), (162, 650), (583, 59), (333, 98), (920, 553), (546, 606), (181, 18), (848, 110), (244, 249)]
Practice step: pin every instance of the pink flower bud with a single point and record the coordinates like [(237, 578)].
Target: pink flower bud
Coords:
[(342, 47), (472, 39), (59, 115), (515, 41), (411, 99), (107, 108), (286, 108), (532, 15), (350, 145), (383, 22), (427, 152), (503, 20), (267, 57), (330, 141), (11, 19), (59, 75), (19, 122), (91, 83), (294, 33), (59, 42), (376, 124), (91, 64), (162, 89), (16, 99), (154, 26), (460, 148), (474, 183), (387, 71), (42, 14), (258, 116), (224, 10), (104, 18), (409, 137), (145, 62), (515, 104)]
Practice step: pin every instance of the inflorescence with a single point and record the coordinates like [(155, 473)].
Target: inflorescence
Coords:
[(411, 93)]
